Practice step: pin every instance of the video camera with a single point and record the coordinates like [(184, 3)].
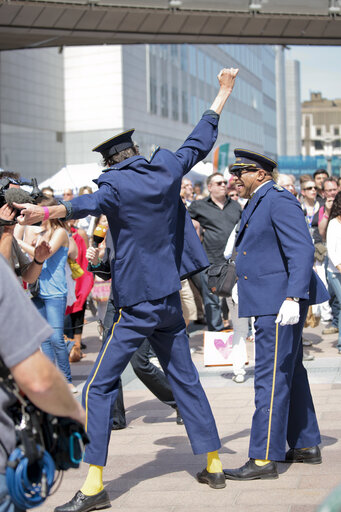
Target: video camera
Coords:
[(44, 444), (17, 195)]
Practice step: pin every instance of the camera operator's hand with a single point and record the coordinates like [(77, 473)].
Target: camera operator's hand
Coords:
[(7, 213), (42, 251), (92, 255)]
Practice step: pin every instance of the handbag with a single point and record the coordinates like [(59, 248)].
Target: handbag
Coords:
[(222, 277), (76, 269)]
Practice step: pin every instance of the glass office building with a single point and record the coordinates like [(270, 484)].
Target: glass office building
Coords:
[(56, 106)]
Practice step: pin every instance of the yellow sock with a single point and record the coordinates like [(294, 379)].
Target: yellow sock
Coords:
[(94, 481), (261, 462), (213, 463)]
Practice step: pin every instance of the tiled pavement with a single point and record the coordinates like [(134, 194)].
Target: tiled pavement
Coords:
[(151, 467)]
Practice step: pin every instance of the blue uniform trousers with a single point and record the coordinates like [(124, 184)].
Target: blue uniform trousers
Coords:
[(284, 406), (162, 323)]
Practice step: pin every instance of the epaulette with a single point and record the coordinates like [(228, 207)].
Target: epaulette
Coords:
[(153, 153), (107, 169), (278, 187)]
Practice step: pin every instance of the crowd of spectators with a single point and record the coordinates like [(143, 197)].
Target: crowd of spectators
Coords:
[(43, 258)]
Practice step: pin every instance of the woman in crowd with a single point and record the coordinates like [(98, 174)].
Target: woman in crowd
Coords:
[(74, 324), (101, 289), (51, 291), (334, 255)]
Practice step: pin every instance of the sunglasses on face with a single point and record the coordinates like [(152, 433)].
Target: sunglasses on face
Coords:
[(239, 172), (219, 183), (310, 188)]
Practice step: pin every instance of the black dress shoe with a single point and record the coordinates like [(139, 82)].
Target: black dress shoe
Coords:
[(308, 455), (82, 503), (214, 480), (118, 426), (250, 471), (179, 419)]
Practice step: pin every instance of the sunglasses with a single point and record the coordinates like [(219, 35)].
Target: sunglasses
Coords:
[(239, 172), (219, 183), (310, 188)]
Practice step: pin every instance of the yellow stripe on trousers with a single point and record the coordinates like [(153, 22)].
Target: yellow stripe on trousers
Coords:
[(95, 373), (272, 395)]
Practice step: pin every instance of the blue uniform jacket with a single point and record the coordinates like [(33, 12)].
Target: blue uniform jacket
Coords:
[(154, 240), (275, 254)]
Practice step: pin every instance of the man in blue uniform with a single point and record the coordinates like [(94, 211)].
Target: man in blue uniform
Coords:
[(276, 284), (155, 245)]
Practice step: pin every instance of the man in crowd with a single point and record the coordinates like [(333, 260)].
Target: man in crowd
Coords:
[(155, 245), (22, 331), (68, 194), (216, 215), (319, 176), (330, 189), (276, 284), (187, 193)]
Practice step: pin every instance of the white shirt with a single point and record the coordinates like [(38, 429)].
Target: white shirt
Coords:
[(334, 244)]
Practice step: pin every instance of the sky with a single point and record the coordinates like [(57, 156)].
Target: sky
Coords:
[(320, 69)]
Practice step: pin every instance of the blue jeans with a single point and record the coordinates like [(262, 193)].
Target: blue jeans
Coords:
[(53, 310), (334, 280), (6, 504)]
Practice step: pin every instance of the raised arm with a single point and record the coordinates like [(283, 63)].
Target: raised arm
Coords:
[(226, 77), (200, 142)]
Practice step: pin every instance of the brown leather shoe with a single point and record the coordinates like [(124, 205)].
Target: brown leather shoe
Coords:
[(75, 354)]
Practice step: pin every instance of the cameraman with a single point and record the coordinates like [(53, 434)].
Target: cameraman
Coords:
[(22, 332), (26, 269)]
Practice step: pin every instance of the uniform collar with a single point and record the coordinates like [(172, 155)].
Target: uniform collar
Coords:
[(125, 163)]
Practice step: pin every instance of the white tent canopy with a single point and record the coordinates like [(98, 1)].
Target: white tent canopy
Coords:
[(78, 175), (74, 177)]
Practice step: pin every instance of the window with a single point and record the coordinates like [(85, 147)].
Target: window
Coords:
[(184, 57), (152, 83), (193, 110), (184, 107), (336, 131), (175, 103), (153, 95), (164, 100), (318, 144), (193, 61), (318, 132), (201, 65)]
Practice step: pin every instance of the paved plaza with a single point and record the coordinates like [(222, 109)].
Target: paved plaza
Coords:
[(151, 466)]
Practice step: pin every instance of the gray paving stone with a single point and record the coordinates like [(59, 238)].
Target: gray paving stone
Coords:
[(150, 463)]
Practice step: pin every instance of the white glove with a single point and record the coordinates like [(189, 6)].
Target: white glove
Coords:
[(234, 294), (289, 314)]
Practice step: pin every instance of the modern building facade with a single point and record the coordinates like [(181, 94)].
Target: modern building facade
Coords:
[(321, 126), (293, 107), (288, 104), (32, 112), (160, 90)]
